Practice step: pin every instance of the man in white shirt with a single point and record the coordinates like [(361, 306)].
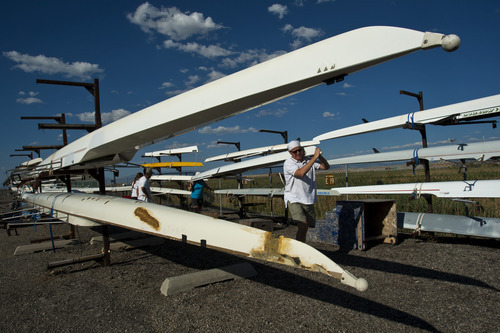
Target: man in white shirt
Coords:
[(144, 193), (300, 189)]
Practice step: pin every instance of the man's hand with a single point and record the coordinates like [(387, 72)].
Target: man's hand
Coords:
[(317, 152)]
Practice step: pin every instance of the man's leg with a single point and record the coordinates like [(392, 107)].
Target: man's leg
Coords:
[(301, 231), (299, 216), (196, 205)]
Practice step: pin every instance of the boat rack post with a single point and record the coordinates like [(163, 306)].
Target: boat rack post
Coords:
[(241, 199), (98, 174), (30, 155), (423, 133)]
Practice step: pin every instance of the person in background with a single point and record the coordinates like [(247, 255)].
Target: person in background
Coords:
[(135, 190), (300, 188), (144, 192), (196, 189)]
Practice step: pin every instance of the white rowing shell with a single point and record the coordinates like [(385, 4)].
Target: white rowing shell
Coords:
[(194, 228), (325, 61), (457, 189)]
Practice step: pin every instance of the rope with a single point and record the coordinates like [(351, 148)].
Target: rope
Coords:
[(409, 117), (415, 157), (417, 192), (418, 225)]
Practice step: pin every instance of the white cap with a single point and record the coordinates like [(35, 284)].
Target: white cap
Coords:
[(293, 144)]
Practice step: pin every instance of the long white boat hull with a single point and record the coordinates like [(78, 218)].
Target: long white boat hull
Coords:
[(457, 189), (482, 107), (171, 178), (173, 151), (480, 151), (269, 192), (194, 228), (461, 225), (247, 165), (326, 61), (237, 155), (165, 190)]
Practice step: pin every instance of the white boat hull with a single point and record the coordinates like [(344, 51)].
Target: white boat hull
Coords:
[(461, 225), (480, 151), (457, 189), (251, 164), (269, 192), (326, 61), (193, 228), (481, 107), (238, 155)]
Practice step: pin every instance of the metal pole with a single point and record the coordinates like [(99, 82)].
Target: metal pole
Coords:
[(220, 197), (423, 134), (97, 104), (284, 134), (347, 179)]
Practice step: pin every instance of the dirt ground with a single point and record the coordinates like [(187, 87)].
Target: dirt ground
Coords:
[(438, 285)]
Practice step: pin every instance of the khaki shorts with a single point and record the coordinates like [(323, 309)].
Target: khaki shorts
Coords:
[(302, 213)]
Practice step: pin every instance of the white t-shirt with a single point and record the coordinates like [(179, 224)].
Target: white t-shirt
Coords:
[(301, 190), (135, 190), (143, 182)]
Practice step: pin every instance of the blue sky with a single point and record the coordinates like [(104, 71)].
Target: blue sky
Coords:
[(145, 52)]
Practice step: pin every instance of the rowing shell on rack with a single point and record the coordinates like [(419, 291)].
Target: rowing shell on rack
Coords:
[(198, 229), (469, 110), (172, 164), (455, 189), (480, 151), (327, 61), (251, 164)]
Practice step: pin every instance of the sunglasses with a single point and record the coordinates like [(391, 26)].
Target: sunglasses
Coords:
[(295, 151)]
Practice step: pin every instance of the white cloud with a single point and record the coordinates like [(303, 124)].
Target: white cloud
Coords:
[(31, 93), (106, 117), (172, 22), (287, 28), (278, 9), (166, 85), (306, 33), (210, 51), (176, 92), (29, 100), (193, 79), (250, 58), (177, 144), (51, 65), (215, 75), (212, 145), (330, 115), (226, 130), (301, 34), (276, 113), (347, 85)]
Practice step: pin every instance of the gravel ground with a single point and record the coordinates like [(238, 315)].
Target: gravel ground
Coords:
[(445, 285)]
